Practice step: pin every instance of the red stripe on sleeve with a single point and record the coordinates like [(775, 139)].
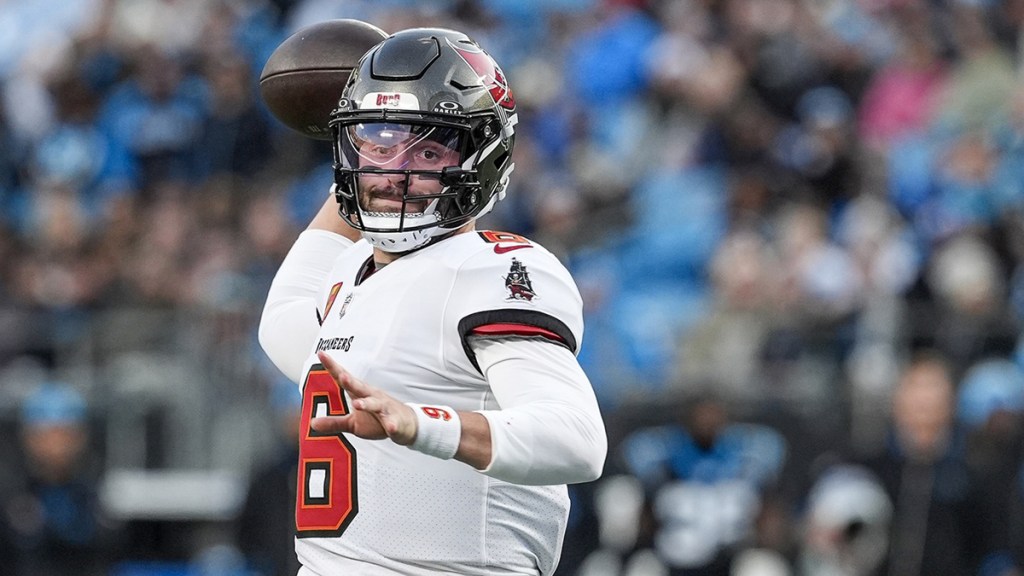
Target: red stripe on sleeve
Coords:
[(515, 330)]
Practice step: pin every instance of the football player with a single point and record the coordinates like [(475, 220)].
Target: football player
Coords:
[(444, 410)]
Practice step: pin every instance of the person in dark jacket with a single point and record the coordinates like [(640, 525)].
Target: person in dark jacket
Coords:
[(923, 468), (266, 523), (55, 525)]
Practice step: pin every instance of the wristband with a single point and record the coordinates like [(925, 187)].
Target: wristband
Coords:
[(438, 430)]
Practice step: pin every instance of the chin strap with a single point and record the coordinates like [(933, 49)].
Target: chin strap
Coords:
[(398, 242), (389, 241)]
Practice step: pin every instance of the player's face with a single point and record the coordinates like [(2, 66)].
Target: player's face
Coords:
[(399, 151)]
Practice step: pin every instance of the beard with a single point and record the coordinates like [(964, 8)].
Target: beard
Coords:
[(387, 199)]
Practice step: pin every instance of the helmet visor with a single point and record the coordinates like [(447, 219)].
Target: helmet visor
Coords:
[(397, 166), (389, 146)]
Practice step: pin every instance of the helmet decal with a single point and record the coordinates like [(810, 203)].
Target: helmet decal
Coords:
[(390, 100), (489, 72)]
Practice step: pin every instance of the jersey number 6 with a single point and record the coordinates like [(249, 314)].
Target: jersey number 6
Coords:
[(326, 496)]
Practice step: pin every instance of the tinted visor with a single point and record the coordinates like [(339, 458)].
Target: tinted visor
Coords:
[(387, 146)]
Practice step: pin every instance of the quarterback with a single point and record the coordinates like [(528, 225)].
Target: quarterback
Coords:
[(443, 408)]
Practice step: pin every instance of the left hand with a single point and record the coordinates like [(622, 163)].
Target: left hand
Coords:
[(375, 415)]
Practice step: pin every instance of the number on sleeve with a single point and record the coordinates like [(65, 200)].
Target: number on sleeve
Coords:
[(493, 237), (326, 496)]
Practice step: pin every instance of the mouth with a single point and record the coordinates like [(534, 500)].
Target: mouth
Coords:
[(385, 204)]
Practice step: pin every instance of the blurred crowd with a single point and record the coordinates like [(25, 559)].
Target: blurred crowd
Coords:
[(798, 226)]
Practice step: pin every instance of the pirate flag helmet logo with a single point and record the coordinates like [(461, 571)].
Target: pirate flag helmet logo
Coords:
[(518, 283)]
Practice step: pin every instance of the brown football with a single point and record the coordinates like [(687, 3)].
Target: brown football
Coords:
[(304, 76)]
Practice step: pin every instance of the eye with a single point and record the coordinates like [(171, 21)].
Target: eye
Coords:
[(432, 155), (382, 151)]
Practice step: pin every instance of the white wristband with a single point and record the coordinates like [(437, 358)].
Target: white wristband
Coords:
[(438, 430)]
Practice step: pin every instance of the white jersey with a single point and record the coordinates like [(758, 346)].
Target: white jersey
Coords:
[(374, 507)]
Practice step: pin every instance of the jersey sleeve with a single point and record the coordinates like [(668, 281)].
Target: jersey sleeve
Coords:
[(291, 319), (523, 292), (549, 429)]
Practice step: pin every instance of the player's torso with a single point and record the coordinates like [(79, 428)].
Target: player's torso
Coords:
[(393, 507), (389, 330)]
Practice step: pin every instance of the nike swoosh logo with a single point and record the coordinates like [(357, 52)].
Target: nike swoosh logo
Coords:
[(499, 249)]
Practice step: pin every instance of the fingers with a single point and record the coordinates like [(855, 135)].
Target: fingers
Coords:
[(353, 386), (331, 424), (370, 404), (388, 413), (396, 419), (376, 414), (333, 366)]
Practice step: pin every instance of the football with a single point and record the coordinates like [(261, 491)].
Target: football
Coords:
[(304, 76)]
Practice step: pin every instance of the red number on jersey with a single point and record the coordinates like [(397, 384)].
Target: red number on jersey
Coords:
[(326, 496), (494, 237)]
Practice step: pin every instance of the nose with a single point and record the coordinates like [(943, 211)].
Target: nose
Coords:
[(388, 182)]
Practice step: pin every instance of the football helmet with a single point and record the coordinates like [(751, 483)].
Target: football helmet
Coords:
[(423, 136)]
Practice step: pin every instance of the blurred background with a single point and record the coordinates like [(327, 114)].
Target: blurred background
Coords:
[(798, 226)]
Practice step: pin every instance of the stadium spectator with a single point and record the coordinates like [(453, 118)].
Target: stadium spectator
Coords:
[(706, 479), (990, 404), (266, 523), (53, 512), (936, 527), (845, 529)]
